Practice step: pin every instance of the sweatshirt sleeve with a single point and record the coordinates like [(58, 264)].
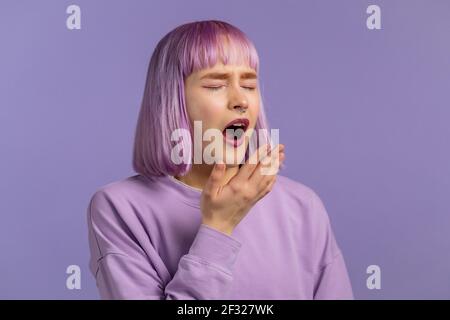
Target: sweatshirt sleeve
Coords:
[(124, 271), (332, 281)]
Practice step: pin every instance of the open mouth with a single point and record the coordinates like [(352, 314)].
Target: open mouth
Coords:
[(234, 131)]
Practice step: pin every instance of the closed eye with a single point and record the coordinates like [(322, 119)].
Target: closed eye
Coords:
[(218, 88), (214, 88)]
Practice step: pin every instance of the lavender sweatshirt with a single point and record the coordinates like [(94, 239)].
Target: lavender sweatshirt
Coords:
[(147, 242)]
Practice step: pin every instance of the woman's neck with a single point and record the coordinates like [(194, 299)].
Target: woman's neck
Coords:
[(199, 174)]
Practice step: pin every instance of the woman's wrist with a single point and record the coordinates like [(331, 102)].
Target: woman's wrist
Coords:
[(224, 229)]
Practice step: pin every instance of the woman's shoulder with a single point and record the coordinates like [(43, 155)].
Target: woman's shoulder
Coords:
[(124, 198), (133, 188), (122, 186), (305, 199), (295, 189), (309, 218)]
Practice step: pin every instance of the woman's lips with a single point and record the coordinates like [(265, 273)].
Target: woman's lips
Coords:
[(240, 124), (244, 121)]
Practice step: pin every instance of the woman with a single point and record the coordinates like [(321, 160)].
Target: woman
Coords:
[(210, 230)]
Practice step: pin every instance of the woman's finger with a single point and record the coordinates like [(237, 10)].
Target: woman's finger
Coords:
[(263, 170), (266, 179), (212, 185), (252, 162)]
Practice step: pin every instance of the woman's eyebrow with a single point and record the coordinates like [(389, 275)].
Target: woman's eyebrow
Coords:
[(221, 75)]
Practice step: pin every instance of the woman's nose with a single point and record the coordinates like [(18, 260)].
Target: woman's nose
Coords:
[(241, 108), (238, 101)]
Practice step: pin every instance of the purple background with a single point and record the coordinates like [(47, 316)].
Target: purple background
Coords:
[(363, 113)]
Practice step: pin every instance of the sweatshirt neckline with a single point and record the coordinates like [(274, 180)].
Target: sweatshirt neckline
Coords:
[(184, 184), (187, 193)]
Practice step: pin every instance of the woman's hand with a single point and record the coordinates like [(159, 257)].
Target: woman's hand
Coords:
[(223, 207)]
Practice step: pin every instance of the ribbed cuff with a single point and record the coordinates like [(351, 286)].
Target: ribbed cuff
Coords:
[(215, 247)]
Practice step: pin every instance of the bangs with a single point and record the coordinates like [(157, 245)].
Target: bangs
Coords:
[(209, 43)]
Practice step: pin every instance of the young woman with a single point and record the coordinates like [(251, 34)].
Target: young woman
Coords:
[(222, 230)]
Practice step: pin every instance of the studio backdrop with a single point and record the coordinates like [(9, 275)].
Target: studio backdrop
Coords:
[(359, 90)]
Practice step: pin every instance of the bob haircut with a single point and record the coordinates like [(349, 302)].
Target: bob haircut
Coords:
[(184, 50)]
